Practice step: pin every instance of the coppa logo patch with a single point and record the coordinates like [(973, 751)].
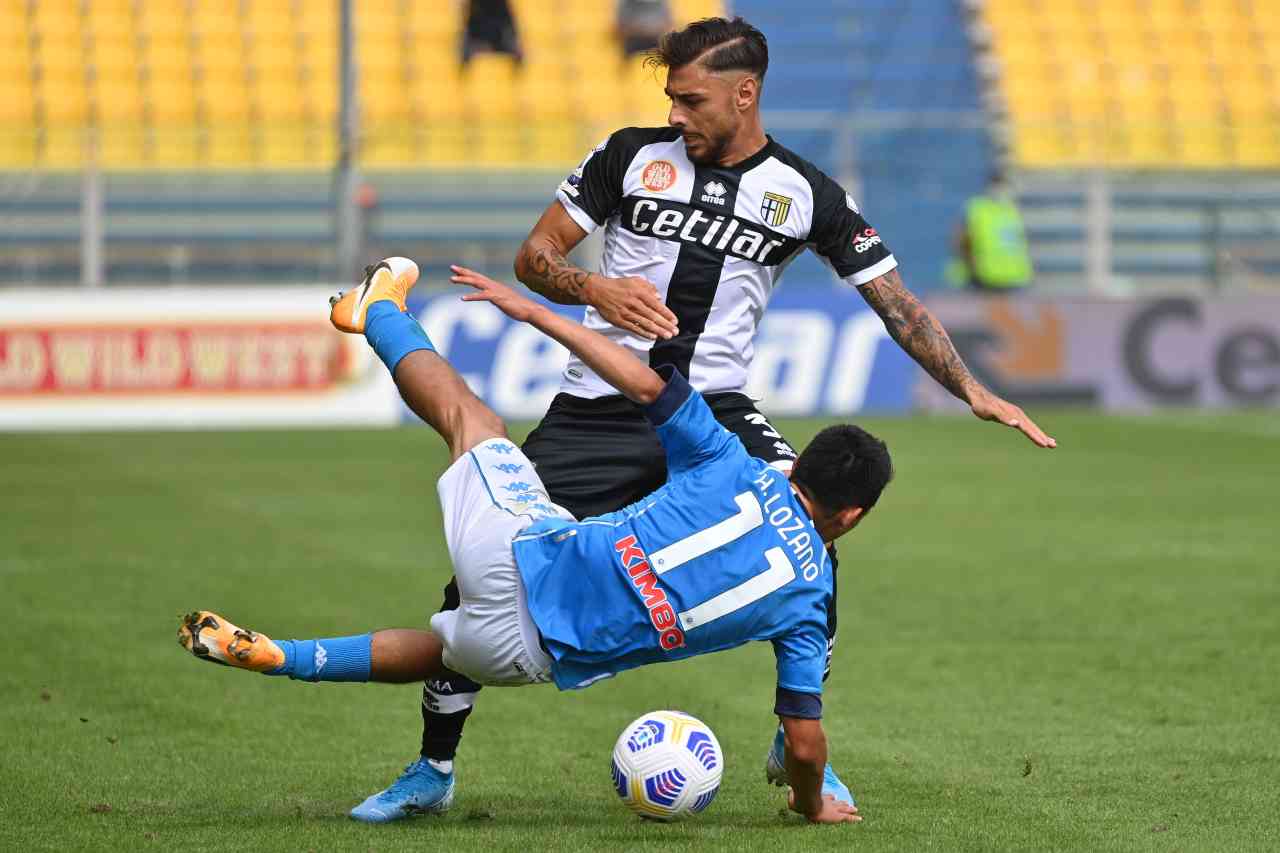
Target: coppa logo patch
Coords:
[(661, 613), (659, 175)]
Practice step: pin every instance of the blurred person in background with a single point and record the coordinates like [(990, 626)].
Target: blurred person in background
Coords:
[(641, 23), (991, 242), (490, 29)]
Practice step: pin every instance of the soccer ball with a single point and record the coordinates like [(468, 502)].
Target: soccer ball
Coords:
[(666, 765)]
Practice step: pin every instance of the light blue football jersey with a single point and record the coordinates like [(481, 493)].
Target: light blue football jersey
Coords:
[(721, 555)]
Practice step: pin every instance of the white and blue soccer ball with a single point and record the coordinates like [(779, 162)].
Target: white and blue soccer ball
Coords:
[(666, 765)]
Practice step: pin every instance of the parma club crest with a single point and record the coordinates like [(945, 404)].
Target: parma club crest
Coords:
[(775, 209)]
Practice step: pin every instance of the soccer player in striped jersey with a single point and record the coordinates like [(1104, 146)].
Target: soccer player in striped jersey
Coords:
[(700, 220), (730, 550)]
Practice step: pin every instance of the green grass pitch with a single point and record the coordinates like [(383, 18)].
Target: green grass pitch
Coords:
[(1076, 650)]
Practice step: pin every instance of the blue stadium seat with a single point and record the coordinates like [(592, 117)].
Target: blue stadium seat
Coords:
[(882, 62)]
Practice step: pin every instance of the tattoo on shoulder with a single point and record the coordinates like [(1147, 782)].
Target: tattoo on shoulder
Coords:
[(917, 331), (557, 279)]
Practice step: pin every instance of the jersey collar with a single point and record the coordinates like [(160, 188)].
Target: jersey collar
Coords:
[(754, 160)]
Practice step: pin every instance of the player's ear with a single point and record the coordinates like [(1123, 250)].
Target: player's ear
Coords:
[(849, 517), (748, 92)]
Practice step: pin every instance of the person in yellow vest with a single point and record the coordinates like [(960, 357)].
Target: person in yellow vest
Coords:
[(991, 242)]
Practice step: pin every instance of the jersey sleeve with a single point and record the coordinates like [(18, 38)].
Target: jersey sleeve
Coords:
[(844, 239), (592, 193), (689, 432), (802, 658)]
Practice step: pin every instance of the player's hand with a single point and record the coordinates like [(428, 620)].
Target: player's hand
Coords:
[(833, 810), (989, 407), (507, 299), (632, 304)]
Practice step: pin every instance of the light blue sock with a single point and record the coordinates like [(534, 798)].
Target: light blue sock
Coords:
[(332, 659), (393, 333)]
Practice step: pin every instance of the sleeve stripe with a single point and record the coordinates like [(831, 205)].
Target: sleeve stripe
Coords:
[(577, 214), (863, 276)]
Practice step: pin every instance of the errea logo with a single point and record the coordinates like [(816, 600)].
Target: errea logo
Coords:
[(713, 193)]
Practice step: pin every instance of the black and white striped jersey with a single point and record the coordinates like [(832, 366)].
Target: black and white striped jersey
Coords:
[(713, 240)]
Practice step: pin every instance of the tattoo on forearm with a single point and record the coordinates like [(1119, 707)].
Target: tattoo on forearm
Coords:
[(918, 333), (551, 275)]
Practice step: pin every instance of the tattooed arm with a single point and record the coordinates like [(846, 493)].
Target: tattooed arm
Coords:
[(918, 333), (922, 337), (629, 303)]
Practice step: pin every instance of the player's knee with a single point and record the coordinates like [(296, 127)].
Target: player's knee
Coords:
[(471, 422)]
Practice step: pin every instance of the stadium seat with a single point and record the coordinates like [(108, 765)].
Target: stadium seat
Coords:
[(1184, 79), (205, 82), (489, 87)]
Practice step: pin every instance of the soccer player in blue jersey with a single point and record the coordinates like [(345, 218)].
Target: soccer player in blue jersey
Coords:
[(730, 550)]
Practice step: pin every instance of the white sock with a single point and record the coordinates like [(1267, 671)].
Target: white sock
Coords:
[(442, 766)]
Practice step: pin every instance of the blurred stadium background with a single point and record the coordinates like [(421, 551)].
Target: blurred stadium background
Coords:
[(214, 127), (217, 146)]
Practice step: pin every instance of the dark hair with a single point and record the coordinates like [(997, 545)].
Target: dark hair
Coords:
[(844, 466), (727, 45)]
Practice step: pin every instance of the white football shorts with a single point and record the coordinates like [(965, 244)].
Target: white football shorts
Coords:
[(488, 496)]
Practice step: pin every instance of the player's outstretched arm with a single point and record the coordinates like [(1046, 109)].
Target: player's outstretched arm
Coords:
[(632, 377), (922, 337), (806, 759), (629, 303)]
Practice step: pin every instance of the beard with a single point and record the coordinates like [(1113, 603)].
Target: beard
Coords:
[(711, 149)]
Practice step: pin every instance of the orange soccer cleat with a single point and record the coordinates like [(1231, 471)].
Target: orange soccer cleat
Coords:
[(210, 637), (392, 279)]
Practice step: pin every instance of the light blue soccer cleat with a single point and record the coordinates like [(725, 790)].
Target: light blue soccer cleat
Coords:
[(421, 789), (775, 770)]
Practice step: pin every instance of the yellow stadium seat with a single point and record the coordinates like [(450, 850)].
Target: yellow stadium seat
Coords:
[(115, 55), (270, 20), (230, 144), (432, 16), (390, 146), (684, 11), (1204, 144), (175, 146), (62, 146), (496, 142), (555, 143), (1147, 143), (110, 26), (538, 24), (17, 107), (598, 98), (163, 19), (118, 97), (385, 104), (1250, 97), (56, 18), (1257, 145), (65, 97), (446, 145), (224, 96), (1144, 82), (172, 99), (16, 62), (489, 84), (1040, 144), (18, 146), (544, 93), (168, 56), (61, 57), (276, 96), (122, 146), (285, 143)]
